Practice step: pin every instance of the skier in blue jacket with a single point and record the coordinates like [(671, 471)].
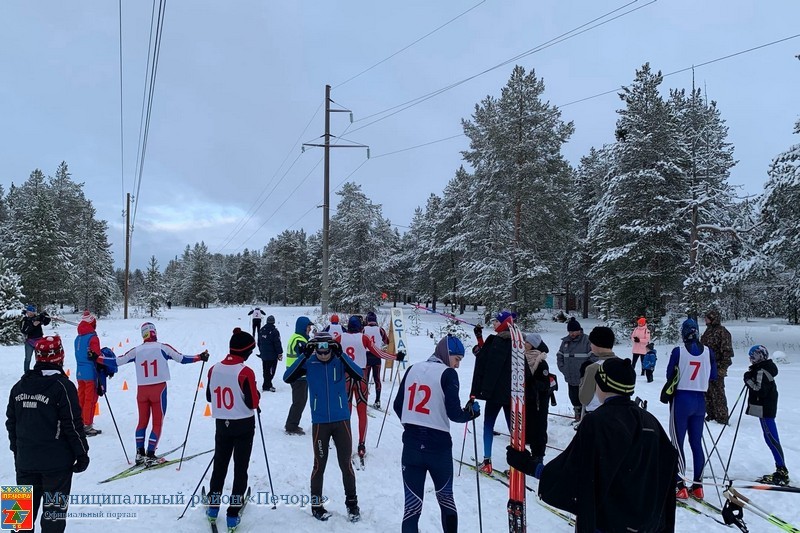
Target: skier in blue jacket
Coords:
[(323, 366)]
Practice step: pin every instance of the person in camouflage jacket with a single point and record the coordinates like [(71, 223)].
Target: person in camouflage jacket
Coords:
[(718, 339)]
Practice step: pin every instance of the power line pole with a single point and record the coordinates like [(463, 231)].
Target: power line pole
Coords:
[(127, 250), (326, 192)]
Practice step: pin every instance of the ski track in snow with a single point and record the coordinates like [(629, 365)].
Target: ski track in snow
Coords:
[(380, 485)]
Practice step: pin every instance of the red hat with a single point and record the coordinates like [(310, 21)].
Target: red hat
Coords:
[(642, 321), (88, 317), (334, 319), (49, 350)]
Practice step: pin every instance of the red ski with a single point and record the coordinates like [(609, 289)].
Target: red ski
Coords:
[(516, 491)]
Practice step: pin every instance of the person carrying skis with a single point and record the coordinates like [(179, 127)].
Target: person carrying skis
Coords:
[(618, 471), (295, 347), (428, 400), (31, 327), (762, 402), (718, 339), (334, 328), (575, 350), (89, 356), (380, 338), (270, 351), (601, 340), (256, 313), (356, 345), (321, 365), (640, 337), (693, 365), (649, 361), (152, 374), (45, 429), (233, 396)]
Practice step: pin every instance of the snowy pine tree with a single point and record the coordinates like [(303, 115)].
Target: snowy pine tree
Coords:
[(11, 303), (152, 295)]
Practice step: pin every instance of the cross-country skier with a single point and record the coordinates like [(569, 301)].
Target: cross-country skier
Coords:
[(334, 328), (295, 347), (256, 313), (428, 400), (573, 353), (762, 402), (152, 374), (322, 365), (44, 424), (270, 351), (617, 473), (233, 396), (88, 356), (355, 345), (31, 327), (379, 338), (695, 366)]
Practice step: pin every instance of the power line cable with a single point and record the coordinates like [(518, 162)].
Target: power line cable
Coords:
[(348, 80)]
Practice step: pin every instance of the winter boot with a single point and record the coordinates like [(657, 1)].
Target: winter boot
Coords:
[(362, 450), (779, 477), (320, 513), (486, 467), (577, 411), (232, 522), (140, 456), (697, 491), (295, 431), (682, 493), (353, 512), (90, 431)]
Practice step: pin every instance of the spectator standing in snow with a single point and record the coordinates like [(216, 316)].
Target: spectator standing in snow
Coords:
[(427, 445), (617, 474), (31, 328), (540, 387), (152, 374), (762, 402), (640, 338), (44, 424), (601, 340), (693, 366), (718, 339), (575, 350), (379, 338), (295, 347), (233, 396), (321, 365), (649, 361), (270, 351), (256, 313)]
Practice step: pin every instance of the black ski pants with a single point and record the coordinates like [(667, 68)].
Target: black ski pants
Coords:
[(233, 437), (419, 461), (256, 327), (343, 440), (269, 367), (58, 484), (299, 401)]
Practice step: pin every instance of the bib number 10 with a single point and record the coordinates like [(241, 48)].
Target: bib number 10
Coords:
[(426, 396), (224, 397)]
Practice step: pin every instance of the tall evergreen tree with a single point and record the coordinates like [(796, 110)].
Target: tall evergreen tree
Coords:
[(152, 295), (11, 298)]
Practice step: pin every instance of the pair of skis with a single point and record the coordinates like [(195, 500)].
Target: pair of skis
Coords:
[(162, 462), (516, 485)]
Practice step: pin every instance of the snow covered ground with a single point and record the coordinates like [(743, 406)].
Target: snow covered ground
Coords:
[(380, 485)]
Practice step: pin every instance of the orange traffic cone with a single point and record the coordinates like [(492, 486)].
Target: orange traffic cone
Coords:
[(120, 344), (200, 386), (67, 372), (127, 341), (97, 409), (203, 343), (207, 412), (124, 385)]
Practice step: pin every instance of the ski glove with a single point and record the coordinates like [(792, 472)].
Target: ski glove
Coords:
[(636, 339), (473, 409), (92, 356), (81, 463), (478, 331), (524, 462), (203, 356), (305, 348), (400, 356)]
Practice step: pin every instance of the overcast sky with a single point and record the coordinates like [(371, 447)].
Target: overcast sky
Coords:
[(238, 81)]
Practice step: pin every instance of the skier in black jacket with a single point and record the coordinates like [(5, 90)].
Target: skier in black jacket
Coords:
[(618, 473), (31, 327), (270, 351), (45, 429)]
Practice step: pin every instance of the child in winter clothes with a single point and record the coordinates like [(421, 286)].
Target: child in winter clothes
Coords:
[(649, 361), (762, 401)]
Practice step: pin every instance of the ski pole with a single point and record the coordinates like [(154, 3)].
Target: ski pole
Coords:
[(191, 414), (446, 315), (715, 442), (191, 498), (477, 472), (463, 444), (266, 459), (735, 434), (713, 475), (386, 412), (117, 428)]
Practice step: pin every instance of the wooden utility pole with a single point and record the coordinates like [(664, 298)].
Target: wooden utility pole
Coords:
[(326, 193), (127, 249)]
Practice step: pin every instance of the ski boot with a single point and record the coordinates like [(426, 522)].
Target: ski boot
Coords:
[(320, 513), (377, 405), (576, 419), (682, 493), (486, 467), (362, 450), (232, 522), (140, 456), (212, 513), (779, 477), (152, 460), (697, 491), (353, 512)]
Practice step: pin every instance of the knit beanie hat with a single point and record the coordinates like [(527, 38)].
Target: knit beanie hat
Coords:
[(270, 319), (455, 346), (354, 324), (241, 343), (573, 325), (602, 337), (371, 317), (88, 318), (49, 350), (616, 375), (689, 330), (30, 308), (642, 322), (534, 339), (148, 331), (334, 319), (758, 353)]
